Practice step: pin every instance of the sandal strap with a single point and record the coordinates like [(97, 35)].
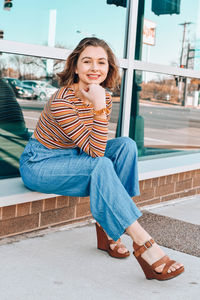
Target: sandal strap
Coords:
[(115, 242), (164, 260), (117, 246), (167, 266), (139, 250)]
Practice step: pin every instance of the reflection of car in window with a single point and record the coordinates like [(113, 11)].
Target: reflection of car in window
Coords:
[(21, 90), (13, 132), (11, 117), (42, 89)]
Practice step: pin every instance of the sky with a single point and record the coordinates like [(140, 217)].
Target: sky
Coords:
[(28, 22)]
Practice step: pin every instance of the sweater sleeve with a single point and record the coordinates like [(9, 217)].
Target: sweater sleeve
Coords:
[(92, 141)]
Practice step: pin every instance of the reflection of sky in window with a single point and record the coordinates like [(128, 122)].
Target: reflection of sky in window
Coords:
[(28, 22), (169, 33)]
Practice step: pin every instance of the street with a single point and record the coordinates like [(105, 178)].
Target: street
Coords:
[(165, 126)]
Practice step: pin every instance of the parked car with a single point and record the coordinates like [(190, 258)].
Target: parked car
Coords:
[(42, 89), (21, 90)]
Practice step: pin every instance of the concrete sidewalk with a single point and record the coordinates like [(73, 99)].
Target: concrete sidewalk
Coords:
[(62, 264)]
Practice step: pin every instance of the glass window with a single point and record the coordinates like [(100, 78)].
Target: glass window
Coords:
[(29, 22), (115, 108), (26, 83), (169, 127), (172, 39)]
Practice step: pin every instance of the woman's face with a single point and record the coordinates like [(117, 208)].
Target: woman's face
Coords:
[(92, 66)]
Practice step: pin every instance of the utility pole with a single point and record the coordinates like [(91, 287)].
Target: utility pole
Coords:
[(185, 24)]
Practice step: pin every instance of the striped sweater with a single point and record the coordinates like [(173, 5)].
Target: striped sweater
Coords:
[(66, 122)]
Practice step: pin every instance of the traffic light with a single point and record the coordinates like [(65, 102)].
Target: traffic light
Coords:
[(165, 7), (7, 4), (118, 2), (1, 34)]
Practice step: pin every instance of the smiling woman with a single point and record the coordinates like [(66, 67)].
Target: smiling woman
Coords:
[(92, 66), (70, 155)]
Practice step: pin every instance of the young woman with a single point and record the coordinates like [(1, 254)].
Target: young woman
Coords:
[(70, 154)]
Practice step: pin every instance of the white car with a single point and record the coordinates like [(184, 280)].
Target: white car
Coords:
[(42, 89)]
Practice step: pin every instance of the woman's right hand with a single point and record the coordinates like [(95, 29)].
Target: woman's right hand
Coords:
[(96, 95)]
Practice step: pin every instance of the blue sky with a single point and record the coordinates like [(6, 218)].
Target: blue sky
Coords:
[(28, 21)]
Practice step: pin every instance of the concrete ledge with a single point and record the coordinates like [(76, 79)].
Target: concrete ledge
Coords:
[(22, 210), (14, 192), (169, 165)]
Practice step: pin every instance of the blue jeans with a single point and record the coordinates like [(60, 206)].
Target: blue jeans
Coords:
[(110, 181)]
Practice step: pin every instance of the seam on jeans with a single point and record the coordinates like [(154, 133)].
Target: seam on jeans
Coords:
[(110, 207), (115, 214)]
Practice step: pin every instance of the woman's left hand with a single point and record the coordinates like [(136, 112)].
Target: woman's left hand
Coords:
[(96, 95)]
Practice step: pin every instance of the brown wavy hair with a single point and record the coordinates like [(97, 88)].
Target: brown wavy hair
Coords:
[(68, 76)]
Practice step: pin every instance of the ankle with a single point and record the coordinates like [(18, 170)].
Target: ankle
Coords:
[(141, 241)]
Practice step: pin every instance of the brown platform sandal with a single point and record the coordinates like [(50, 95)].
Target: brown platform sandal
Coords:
[(149, 270), (103, 243)]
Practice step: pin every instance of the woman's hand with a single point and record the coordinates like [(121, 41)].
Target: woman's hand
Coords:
[(96, 95)]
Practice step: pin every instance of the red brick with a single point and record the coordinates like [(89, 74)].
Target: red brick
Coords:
[(49, 204), (8, 212), (188, 193), (169, 179), (36, 206), (183, 185), (188, 175), (84, 200), (196, 175), (162, 180), (73, 201), (83, 210), (198, 190), (164, 190), (174, 177), (141, 184), (147, 184), (181, 176), (155, 181), (196, 181), (197, 172), (62, 201), (57, 215), (18, 225), (0, 213), (169, 197), (151, 202), (147, 194), (23, 209)]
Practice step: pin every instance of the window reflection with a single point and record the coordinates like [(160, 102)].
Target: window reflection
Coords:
[(73, 21), (169, 127), (171, 36), (26, 83), (13, 131)]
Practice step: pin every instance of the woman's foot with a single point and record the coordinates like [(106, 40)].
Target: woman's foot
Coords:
[(114, 248), (153, 254), (120, 247)]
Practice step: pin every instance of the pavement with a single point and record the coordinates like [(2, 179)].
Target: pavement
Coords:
[(63, 263)]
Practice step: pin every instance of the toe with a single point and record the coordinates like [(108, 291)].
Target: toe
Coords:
[(160, 268), (178, 266), (175, 267), (122, 250)]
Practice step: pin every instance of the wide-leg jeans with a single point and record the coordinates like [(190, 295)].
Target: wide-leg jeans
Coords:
[(110, 181)]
